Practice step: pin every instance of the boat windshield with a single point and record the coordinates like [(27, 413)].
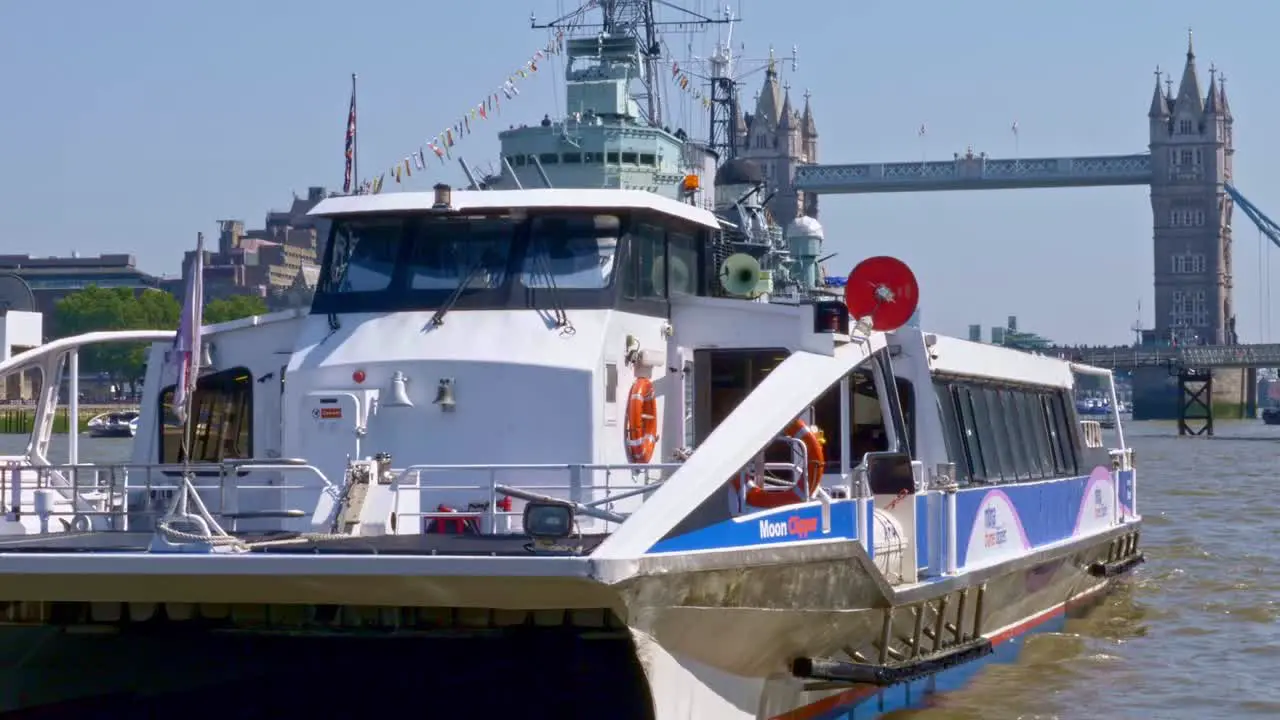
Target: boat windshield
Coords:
[(389, 263), (445, 253), (571, 252)]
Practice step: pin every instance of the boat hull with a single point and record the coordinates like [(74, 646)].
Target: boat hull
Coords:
[(709, 635), (112, 432), (760, 642)]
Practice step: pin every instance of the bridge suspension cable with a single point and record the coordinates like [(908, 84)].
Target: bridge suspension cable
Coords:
[(1269, 228)]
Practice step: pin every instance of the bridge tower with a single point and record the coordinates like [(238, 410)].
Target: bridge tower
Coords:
[(1191, 154)]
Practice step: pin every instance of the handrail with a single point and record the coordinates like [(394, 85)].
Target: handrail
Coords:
[(103, 491), (1092, 431), (574, 489), (56, 347), (53, 360)]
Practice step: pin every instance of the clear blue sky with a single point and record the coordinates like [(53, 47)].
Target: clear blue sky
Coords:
[(132, 124)]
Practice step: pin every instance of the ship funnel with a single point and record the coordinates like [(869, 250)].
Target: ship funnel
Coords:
[(740, 275), (399, 393)]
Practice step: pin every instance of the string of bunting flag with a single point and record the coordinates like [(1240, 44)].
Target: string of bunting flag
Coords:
[(681, 79), (441, 146)]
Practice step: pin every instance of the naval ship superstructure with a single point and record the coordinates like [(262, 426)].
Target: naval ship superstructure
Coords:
[(607, 139)]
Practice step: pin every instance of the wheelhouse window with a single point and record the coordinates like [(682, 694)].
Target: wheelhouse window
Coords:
[(631, 260), (367, 250), (469, 252), (221, 423), (571, 252), (682, 277), (647, 277)]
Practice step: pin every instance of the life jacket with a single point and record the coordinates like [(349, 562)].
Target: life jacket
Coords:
[(464, 525), (447, 526)]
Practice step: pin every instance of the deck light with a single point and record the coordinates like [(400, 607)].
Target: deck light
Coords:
[(358, 376), (444, 197), (548, 521)]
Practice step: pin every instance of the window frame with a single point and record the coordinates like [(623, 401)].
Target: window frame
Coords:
[(1007, 432), (512, 294), (243, 391)]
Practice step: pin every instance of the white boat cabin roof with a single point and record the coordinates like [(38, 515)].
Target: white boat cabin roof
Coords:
[(954, 356), (541, 198)]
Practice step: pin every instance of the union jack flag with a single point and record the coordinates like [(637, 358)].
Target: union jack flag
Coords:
[(351, 143)]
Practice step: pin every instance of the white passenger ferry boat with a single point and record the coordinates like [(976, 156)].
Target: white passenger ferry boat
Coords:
[(510, 429), (563, 452)]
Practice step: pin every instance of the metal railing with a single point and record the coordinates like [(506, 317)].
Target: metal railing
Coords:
[(580, 491), (107, 497), (1191, 356), (1092, 431), (759, 472), (117, 497)]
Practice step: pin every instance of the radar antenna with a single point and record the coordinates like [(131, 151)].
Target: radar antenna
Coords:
[(638, 19), (725, 73)]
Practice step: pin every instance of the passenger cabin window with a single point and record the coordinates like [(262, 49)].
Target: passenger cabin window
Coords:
[(221, 419), (724, 378), (998, 433), (867, 432), (631, 260)]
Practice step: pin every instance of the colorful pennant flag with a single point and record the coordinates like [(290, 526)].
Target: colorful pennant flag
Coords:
[(441, 144)]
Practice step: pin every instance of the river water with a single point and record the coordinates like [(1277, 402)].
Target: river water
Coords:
[(1193, 635)]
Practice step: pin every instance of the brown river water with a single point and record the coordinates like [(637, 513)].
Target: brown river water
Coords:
[(1193, 635)]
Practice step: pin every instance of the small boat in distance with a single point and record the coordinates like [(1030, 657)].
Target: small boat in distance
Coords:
[(114, 425)]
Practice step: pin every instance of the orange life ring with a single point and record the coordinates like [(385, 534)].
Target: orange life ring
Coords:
[(642, 421), (759, 497)]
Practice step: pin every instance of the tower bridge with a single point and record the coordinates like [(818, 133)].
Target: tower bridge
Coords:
[(1188, 166)]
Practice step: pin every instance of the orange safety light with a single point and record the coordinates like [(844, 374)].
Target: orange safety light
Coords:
[(691, 183)]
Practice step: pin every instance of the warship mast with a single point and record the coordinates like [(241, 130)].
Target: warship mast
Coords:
[(640, 20)]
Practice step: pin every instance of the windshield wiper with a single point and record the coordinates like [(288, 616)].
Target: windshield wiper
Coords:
[(542, 262), (438, 318), (337, 279)]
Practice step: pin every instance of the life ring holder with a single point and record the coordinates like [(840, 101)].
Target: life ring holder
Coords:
[(642, 421), (758, 496)]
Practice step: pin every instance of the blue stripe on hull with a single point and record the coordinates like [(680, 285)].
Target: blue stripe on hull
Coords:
[(918, 693)]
